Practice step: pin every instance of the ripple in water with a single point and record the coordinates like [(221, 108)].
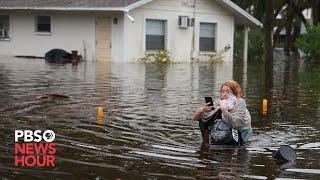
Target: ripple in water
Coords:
[(148, 129)]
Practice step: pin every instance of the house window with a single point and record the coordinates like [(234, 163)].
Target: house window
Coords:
[(207, 37), (43, 24), (155, 34), (4, 26)]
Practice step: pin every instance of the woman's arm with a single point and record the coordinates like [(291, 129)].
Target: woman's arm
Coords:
[(197, 114), (205, 108), (239, 118)]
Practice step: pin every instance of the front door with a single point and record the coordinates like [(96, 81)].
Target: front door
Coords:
[(103, 39)]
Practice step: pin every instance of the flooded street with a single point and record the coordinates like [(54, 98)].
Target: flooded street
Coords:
[(148, 130)]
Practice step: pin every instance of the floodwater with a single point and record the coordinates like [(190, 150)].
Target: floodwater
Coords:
[(148, 131)]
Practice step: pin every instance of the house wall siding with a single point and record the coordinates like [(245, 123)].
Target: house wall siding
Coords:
[(117, 38), (180, 40), (68, 31), (71, 29)]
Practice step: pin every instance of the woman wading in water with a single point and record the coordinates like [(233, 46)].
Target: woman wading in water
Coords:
[(229, 114)]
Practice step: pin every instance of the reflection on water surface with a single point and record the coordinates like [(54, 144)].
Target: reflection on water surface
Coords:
[(147, 130)]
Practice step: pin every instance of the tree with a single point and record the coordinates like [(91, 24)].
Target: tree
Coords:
[(316, 11), (291, 12), (268, 28)]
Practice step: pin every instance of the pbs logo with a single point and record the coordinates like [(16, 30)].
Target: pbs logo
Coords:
[(34, 136), (49, 136)]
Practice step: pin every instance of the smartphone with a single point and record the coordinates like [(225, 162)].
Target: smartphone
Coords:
[(209, 100)]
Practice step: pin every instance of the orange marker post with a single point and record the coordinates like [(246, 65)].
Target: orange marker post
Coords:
[(100, 115), (264, 107)]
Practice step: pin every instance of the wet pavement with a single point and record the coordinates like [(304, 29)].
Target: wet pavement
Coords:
[(148, 130)]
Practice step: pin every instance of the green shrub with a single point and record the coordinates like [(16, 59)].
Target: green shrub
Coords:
[(255, 44), (157, 57), (309, 43)]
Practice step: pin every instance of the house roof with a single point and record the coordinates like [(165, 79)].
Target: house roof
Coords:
[(103, 5), (241, 16)]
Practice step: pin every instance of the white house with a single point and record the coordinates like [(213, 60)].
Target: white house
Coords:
[(121, 30)]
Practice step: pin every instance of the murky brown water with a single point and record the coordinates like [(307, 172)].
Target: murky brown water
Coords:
[(148, 130)]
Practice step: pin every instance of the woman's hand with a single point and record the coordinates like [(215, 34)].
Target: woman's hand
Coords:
[(205, 108), (224, 110)]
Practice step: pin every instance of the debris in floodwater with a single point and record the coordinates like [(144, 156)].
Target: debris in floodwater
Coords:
[(310, 146), (52, 96), (285, 153)]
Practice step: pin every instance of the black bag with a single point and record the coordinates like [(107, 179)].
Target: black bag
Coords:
[(222, 134), (216, 132)]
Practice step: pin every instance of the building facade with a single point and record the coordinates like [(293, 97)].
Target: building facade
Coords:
[(122, 31)]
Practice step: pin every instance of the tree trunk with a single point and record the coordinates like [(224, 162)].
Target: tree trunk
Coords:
[(296, 34), (298, 11), (316, 12), (268, 27), (289, 18), (276, 34), (287, 42)]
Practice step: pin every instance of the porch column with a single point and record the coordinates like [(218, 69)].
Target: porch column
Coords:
[(245, 59), (125, 36), (245, 43)]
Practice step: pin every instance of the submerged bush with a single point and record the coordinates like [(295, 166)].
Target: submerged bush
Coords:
[(255, 44), (309, 43), (158, 57)]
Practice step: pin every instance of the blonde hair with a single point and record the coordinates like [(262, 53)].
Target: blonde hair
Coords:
[(234, 86)]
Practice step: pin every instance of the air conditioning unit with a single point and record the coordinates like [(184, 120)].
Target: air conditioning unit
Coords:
[(183, 21), (3, 33), (191, 22)]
